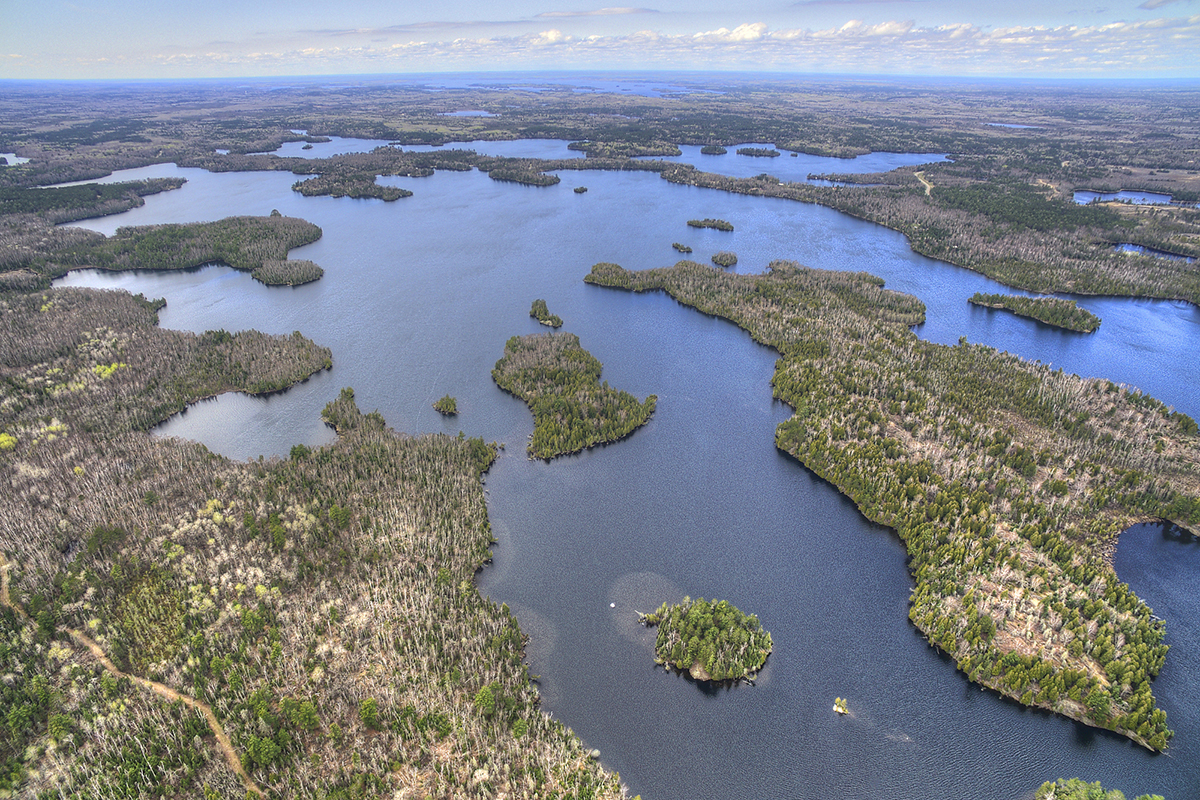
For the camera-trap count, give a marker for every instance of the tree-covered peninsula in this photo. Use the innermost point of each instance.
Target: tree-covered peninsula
(1008, 481)
(258, 245)
(560, 381)
(712, 641)
(173, 623)
(1050, 310)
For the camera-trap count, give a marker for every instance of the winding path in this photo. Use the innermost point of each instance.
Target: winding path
(162, 690)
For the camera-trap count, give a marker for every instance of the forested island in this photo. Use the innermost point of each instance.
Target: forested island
(1008, 482)
(759, 152)
(560, 381)
(541, 313)
(1050, 310)
(708, 222)
(711, 641)
(724, 258)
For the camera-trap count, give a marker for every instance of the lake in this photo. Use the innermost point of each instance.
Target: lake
(417, 301)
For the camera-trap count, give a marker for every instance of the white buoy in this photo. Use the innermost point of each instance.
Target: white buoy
(612, 605)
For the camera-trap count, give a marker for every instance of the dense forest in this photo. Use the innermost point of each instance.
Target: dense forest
(305, 627)
(560, 381)
(1050, 310)
(1007, 481)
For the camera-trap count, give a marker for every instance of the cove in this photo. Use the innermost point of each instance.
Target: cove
(417, 301)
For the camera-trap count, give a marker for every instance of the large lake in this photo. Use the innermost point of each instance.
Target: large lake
(417, 301)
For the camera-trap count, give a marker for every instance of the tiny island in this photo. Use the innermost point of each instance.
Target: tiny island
(542, 314)
(1049, 310)
(560, 381)
(680, 247)
(713, 150)
(724, 258)
(712, 641)
(447, 406)
(709, 222)
(759, 152)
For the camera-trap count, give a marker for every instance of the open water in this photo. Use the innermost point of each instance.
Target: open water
(417, 301)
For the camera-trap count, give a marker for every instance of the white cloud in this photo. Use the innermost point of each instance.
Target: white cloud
(1159, 47)
(742, 33)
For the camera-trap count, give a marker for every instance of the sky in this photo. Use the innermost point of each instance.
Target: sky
(153, 39)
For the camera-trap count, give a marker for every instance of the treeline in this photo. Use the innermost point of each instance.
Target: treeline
(710, 640)
(69, 203)
(1007, 481)
(560, 381)
(626, 149)
(1050, 310)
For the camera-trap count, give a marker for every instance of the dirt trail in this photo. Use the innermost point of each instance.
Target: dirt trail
(928, 186)
(231, 756)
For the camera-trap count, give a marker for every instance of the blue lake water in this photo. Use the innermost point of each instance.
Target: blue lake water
(417, 301)
(1150, 251)
(1083, 197)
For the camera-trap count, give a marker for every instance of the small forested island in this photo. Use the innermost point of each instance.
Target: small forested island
(447, 406)
(712, 641)
(713, 150)
(709, 222)
(580, 190)
(724, 258)
(542, 314)
(1051, 310)
(759, 152)
(1075, 789)
(1007, 481)
(682, 248)
(560, 381)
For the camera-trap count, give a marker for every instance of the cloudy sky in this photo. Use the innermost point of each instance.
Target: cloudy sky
(224, 38)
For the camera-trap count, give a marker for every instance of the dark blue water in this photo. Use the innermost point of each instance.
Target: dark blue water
(417, 301)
